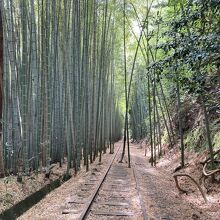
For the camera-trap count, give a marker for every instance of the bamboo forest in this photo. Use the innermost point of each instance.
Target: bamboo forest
(109, 109)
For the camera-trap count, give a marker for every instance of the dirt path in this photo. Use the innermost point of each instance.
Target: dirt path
(160, 197)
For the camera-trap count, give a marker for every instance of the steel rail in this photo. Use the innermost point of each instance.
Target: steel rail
(94, 194)
(143, 208)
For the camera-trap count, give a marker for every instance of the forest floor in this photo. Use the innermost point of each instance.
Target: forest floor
(161, 198)
(12, 192)
(193, 167)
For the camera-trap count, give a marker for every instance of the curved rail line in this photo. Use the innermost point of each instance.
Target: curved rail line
(93, 196)
(115, 173)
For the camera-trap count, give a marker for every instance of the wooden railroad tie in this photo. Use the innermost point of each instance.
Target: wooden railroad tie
(107, 213)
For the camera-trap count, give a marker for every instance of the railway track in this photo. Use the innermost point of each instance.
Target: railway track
(114, 195)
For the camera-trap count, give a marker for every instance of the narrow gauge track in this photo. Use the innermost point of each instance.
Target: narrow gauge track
(116, 195)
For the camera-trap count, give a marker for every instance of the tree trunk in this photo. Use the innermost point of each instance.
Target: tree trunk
(1, 95)
(208, 133)
(180, 124)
